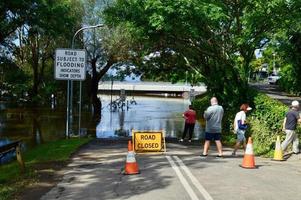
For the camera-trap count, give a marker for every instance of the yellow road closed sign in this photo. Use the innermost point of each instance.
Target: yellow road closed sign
(148, 141)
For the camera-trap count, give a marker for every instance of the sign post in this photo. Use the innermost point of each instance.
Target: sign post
(70, 65)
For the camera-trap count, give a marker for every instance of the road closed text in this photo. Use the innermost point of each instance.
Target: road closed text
(148, 145)
(148, 141)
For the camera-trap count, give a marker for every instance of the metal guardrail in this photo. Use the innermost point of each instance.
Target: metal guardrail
(14, 146)
(149, 86)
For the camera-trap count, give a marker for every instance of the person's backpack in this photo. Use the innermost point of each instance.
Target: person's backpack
(242, 126)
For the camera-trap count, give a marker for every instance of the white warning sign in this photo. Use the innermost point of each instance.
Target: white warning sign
(70, 64)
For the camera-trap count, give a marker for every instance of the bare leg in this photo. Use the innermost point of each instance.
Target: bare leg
(236, 146)
(219, 147)
(206, 147)
(244, 144)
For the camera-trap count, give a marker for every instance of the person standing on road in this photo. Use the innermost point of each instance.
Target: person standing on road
(213, 116)
(290, 122)
(240, 127)
(190, 118)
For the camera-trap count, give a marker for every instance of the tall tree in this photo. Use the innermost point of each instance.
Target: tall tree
(217, 39)
(49, 26)
(289, 43)
(13, 14)
(103, 48)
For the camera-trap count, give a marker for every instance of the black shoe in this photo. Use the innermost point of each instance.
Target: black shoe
(204, 155)
(219, 156)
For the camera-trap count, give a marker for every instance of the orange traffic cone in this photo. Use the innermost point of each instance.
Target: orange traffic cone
(249, 159)
(131, 166)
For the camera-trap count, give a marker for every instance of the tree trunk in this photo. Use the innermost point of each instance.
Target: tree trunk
(35, 66)
(230, 89)
(94, 89)
(96, 76)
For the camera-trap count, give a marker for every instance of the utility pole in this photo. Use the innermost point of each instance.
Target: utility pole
(274, 68)
(111, 93)
(70, 84)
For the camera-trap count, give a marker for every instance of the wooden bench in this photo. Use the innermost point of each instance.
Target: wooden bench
(14, 146)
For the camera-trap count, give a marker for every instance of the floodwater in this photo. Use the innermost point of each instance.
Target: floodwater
(39, 125)
(149, 114)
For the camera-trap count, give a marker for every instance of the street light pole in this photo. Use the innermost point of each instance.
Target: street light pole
(80, 82)
(274, 69)
(111, 93)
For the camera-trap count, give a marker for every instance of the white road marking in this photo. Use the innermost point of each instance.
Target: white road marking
(195, 182)
(182, 179)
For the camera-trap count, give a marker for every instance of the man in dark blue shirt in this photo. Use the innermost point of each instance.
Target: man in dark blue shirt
(289, 126)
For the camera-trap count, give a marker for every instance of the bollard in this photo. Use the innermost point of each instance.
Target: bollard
(19, 158)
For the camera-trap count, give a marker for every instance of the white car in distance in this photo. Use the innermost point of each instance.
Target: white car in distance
(273, 79)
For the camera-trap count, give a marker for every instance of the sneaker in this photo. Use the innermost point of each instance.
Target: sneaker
(189, 140)
(181, 140)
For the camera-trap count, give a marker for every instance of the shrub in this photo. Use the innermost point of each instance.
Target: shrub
(266, 123)
(289, 80)
(201, 104)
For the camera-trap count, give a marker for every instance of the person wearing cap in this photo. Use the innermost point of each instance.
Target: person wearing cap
(240, 126)
(213, 116)
(290, 122)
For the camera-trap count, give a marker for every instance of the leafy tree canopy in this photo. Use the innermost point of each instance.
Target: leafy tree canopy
(213, 38)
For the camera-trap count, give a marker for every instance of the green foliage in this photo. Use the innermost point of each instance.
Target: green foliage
(269, 111)
(10, 178)
(13, 14)
(54, 151)
(266, 123)
(200, 104)
(263, 137)
(216, 39)
(291, 81)
(32, 30)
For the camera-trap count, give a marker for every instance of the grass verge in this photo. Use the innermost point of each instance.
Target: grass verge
(12, 181)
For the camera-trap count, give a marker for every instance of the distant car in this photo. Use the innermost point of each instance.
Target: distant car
(273, 79)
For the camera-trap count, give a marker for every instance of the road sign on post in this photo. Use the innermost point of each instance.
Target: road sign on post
(70, 64)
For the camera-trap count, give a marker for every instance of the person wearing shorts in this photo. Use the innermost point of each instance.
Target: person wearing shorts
(213, 116)
(240, 126)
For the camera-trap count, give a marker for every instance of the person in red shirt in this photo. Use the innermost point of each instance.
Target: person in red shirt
(190, 118)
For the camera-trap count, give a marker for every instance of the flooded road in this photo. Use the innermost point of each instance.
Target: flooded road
(39, 125)
(31, 125)
(150, 113)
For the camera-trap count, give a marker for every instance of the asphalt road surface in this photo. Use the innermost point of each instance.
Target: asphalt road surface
(274, 92)
(180, 174)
